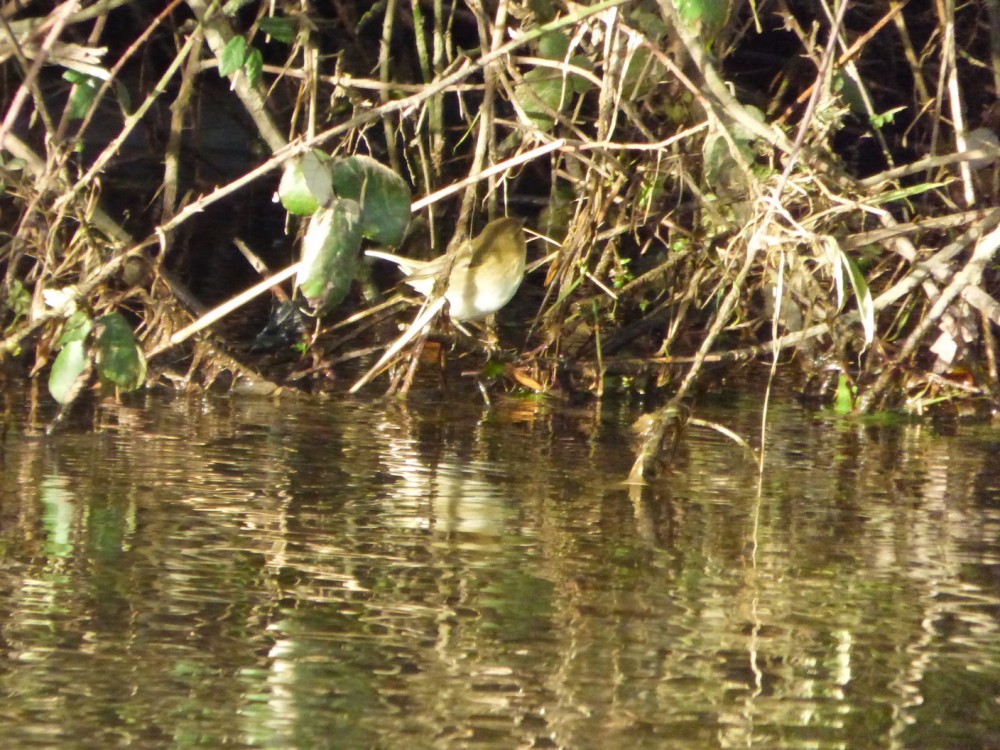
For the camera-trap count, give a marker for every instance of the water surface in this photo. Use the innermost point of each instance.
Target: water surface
(210, 572)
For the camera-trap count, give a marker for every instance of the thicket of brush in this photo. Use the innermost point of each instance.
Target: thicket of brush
(799, 183)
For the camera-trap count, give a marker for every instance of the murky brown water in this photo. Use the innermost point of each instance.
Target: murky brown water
(306, 574)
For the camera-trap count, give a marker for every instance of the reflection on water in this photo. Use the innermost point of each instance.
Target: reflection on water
(310, 574)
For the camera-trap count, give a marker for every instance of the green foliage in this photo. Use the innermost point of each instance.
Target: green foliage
(705, 17)
(8, 166)
(233, 56)
(281, 29)
(77, 328)
(236, 55)
(69, 372)
(545, 89)
(879, 121)
(543, 10)
(18, 301)
(307, 184)
(554, 45)
(81, 95)
(384, 197)
(253, 66)
(330, 254)
(348, 199)
(542, 91)
(119, 358)
(120, 361)
(843, 402)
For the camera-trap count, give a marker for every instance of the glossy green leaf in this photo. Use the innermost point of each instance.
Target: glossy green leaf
(120, 361)
(843, 400)
(330, 254)
(233, 56)
(81, 95)
(280, 29)
(253, 65)
(306, 185)
(76, 328)
(384, 197)
(69, 372)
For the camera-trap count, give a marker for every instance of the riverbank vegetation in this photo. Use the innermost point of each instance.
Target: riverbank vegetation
(781, 185)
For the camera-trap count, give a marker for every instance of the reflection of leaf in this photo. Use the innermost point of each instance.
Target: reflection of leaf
(69, 372)
(119, 359)
(56, 501)
(330, 254)
(383, 195)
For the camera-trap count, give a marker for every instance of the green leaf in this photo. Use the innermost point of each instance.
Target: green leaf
(907, 192)
(383, 195)
(76, 328)
(253, 66)
(643, 74)
(233, 56)
(18, 300)
(543, 89)
(69, 372)
(704, 17)
(281, 29)
(330, 254)
(554, 45)
(120, 361)
(306, 184)
(879, 121)
(843, 400)
(81, 95)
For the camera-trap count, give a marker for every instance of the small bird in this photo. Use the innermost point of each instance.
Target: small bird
(484, 277)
